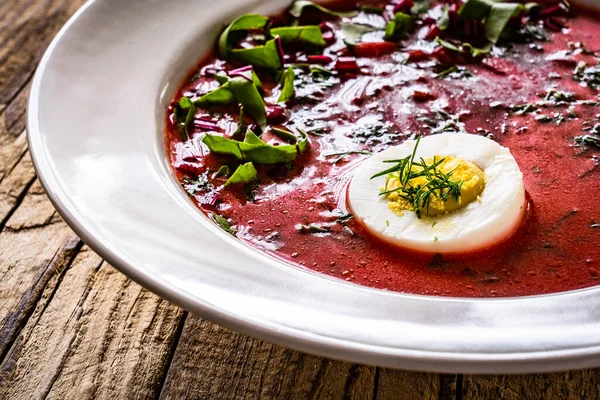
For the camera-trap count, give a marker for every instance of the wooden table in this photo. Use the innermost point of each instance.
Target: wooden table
(71, 326)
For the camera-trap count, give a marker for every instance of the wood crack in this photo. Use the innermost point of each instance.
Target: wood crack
(169, 362)
(12, 325)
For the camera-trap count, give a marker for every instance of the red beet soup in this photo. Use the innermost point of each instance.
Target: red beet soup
(265, 133)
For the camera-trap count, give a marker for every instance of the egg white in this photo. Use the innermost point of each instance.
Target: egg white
(478, 225)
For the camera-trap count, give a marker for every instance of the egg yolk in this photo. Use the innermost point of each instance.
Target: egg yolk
(451, 184)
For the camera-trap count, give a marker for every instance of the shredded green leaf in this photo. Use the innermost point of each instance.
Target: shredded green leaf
(254, 149)
(298, 8)
(242, 24)
(420, 7)
(287, 85)
(353, 32)
(222, 222)
(444, 21)
(187, 105)
(243, 174)
(267, 56)
(398, 27)
(246, 92)
(475, 9)
(220, 96)
(300, 34)
(498, 17)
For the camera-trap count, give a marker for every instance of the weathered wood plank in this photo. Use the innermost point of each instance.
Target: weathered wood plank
(583, 384)
(14, 187)
(394, 384)
(34, 246)
(96, 335)
(213, 362)
(25, 37)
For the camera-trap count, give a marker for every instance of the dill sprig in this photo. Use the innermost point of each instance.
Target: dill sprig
(439, 184)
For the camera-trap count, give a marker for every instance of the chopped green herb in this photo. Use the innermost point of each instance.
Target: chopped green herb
(354, 32)
(434, 223)
(455, 72)
(498, 17)
(387, 222)
(435, 238)
(444, 21)
(439, 183)
(267, 56)
(310, 35)
(346, 153)
(590, 140)
(254, 149)
(420, 7)
(185, 104)
(398, 27)
(287, 85)
(222, 222)
(300, 6)
(587, 75)
(243, 174)
(223, 171)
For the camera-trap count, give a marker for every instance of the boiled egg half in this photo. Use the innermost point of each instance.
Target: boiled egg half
(445, 193)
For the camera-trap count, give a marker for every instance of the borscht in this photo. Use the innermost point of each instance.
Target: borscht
(444, 148)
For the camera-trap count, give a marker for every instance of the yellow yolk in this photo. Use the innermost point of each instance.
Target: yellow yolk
(473, 183)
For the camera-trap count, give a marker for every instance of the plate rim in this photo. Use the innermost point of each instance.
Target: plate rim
(454, 362)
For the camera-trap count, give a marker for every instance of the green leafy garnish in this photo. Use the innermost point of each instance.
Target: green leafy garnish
(444, 21)
(498, 17)
(223, 171)
(353, 32)
(287, 85)
(220, 96)
(239, 28)
(222, 222)
(495, 15)
(185, 104)
(300, 6)
(465, 48)
(243, 174)
(254, 149)
(246, 93)
(266, 56)
(587, 75)
(475, 9)
(398, 27)
(439, 184)
(477, 51)
(420, 7)
(300, 34)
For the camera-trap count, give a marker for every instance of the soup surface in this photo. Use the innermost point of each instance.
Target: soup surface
(352, 84)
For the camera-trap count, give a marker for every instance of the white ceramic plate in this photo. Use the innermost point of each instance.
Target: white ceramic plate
(96, 134)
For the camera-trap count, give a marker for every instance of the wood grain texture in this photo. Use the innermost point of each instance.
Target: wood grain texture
(72, 327)
(35, 246)
(393, 384)
(95, 334)
(213, 362)
(574, 385)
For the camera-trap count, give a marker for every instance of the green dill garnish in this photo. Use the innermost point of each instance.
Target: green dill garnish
(435, 222)
(435, 238)
(201, 184)
(222, 222)
(340, 156)
(455, 72)
(387, 222)
(439, 183)
(587, 75)
(589, 140)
